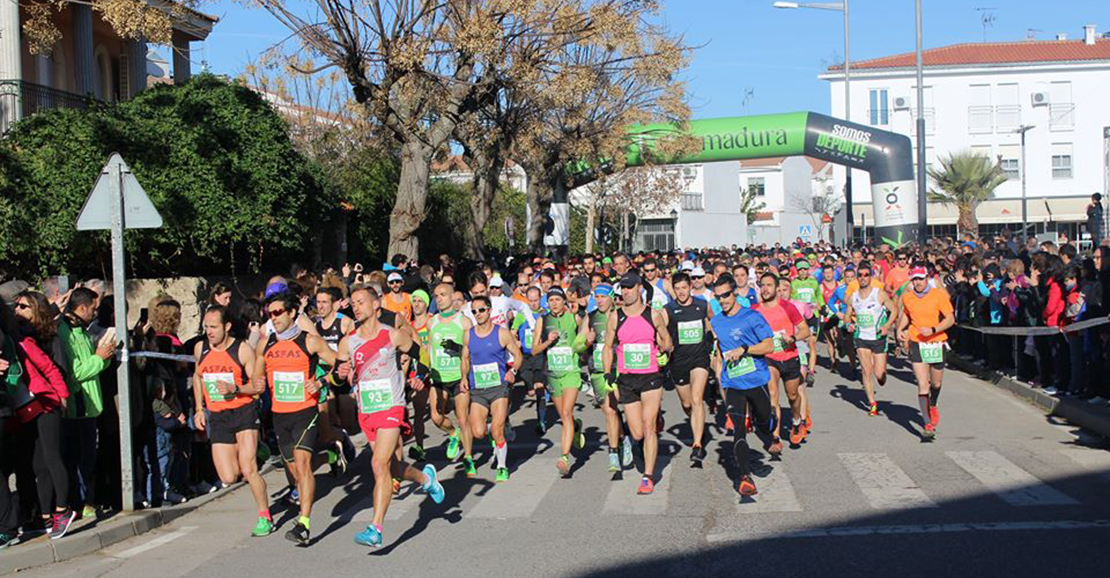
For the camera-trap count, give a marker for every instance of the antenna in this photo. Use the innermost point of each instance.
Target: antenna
(986, 18)
(1031, 33)
(749, 96)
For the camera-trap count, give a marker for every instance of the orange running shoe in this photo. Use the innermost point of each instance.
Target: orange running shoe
(747, 487)
(934, 415)
(748, 423)
(797, 433)
(874, 409)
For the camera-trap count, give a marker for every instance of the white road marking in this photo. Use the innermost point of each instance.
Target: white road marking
(883, 483)
(1014, 485)
(624, 501)
(410, 496)
(1097, 461)
(154, 543)
(776, 494)
(521, 495)
(850, 531)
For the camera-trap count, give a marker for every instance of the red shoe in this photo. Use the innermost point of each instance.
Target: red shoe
(934, 415)
(797, 434)
(747, 487)
(874, 409)
(646, 486)
(748, 423)
(775, 449)
(930, 431)
(728, 423)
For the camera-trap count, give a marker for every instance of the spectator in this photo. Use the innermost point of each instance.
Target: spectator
(9, 508)
(81, 362)
(1094, 219)
(171, 395)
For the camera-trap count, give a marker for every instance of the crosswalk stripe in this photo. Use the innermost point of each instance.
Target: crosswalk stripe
(401, 504)
(776, 494)
(624, 501)
(1012, 484)
(1097, 461)
(883, 483)
(521, 495)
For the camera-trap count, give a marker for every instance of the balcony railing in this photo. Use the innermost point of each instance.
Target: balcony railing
(692, 202)
(980, 119)
(1007, 117)
(20, 99)
(1061, 116)
(930, 116)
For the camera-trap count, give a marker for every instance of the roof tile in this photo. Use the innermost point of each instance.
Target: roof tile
(1028, 51)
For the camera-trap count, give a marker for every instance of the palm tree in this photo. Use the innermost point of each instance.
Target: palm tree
(966, 179)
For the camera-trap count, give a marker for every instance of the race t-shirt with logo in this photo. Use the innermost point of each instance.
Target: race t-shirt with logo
(748, 328)
(783, 319)
(377, 377)
(446, 359)
(289, 367)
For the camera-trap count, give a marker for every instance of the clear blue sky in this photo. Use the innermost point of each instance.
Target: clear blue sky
(749, 50)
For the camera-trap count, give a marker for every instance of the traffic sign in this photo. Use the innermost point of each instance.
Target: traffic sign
(138, 211)
(805, 230)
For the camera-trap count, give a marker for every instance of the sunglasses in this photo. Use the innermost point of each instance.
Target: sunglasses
(21, 306)
(395, 282)
(696, 277)
(652, 270)
(481, 309)
(276, 312)
(724, 295)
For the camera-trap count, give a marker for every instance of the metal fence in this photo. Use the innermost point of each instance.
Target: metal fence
(20, 99)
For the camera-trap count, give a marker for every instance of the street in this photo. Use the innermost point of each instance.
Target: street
(1001, 492)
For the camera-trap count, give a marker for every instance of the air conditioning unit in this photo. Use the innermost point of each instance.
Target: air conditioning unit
(1040, 98)
(901, 103)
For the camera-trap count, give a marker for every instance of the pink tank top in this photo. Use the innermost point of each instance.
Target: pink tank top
(636, 350)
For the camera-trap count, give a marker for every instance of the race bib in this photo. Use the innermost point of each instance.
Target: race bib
(445, 362)
(528, 339)
(690, 332)
(211, 379)
(805, 294)
(931, 352)
(636, 355)
(866, 323)
(560, 359)
(374, 395)
(289, 387)
(742, 366)
(487, 375)
(779, 341)
(599, 364)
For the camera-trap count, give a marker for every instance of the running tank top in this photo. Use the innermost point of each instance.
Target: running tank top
(599, 322)
(334, 334)
(870, 314)
(216, 366)
(560, 356)
(289, 366)
(422, 335)
(487, 359)
(636, 349)
(402, 306)
(446, 361)
(686, 324)
(378, 380)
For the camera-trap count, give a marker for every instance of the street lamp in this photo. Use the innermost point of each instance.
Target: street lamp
(1024, 215)
(922, 209)
(837, 7)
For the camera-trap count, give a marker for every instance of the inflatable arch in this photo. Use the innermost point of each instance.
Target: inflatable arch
(887, 156)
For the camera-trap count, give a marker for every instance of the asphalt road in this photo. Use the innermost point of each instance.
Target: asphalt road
(1001, 492)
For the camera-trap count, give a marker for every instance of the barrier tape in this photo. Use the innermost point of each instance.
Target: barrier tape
(1038, 331)
(169, 356)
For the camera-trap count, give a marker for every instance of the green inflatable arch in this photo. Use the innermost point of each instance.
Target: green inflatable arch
(887, 156)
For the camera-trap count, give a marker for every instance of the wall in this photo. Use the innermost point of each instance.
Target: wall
(720, 223)
(189, 292)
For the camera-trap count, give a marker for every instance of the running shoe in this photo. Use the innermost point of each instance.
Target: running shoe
(471, 471)
(563, 465)
(1050, 390)
(797, 434)
(7, 539)
(502, 475)
(170, 497)
(88, 512)
(579, 437)
(541, 428)
(262, 528)
(371, 536)
(433, 488)
(809, 379)
(934, 415)
(298, 535)
(646, 486)
(510, 433)
(396, 486)
(349, 449)
(930, 432)
(62, 523)
(728, 423)
(697, 455)
(614, 461)
(874, 409)
(747, 487)
(748, 423)
(417, 452)
(626, 452)
(775, 449)
(453, 446)
(340, 466)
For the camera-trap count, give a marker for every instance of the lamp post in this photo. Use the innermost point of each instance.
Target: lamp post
(922, 209)
(1024, 213)
(837, 7)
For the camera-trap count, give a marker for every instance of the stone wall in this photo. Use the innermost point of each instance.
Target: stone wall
(190, 292)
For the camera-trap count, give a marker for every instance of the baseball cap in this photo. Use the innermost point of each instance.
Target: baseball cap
(603, 289)
(275, 288)
(496, 282)
(395, 276)
(421, 295)
(697, 272)
(919, 273)
(802, 264)
(686, 266)
(630, 279)
(607, 261)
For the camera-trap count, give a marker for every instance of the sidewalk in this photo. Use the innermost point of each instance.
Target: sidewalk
(1095, 419)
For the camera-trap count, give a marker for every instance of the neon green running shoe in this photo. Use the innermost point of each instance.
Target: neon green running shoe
(471, 471)
(263, 528)
(502, 475)
(453, 446)
(579, 436)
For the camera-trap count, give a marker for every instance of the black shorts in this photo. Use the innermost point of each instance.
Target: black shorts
(486, 397)
(223, 425)
(296, 431)
(874, 345)
(915, 355)
(814, 324)
(831, 324)
(631, 386)
(533, 370)
(451, 387)
(788, 370)
(679, 370)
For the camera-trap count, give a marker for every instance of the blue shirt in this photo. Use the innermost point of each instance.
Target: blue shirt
(749, 328)
(746, 301)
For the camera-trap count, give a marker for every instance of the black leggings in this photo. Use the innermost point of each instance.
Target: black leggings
(763, 420)
(42, 440)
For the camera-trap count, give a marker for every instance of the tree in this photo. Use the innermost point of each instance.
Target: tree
(214, 158)
(750, 204)
(816, 208)
(966, 179)
(639, 191)
(129, 18)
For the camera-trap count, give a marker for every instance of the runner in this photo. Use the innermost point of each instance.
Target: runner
(789, 327)
(805, 289)
(485, 376)
(533, 371)
(688, 324)
(832, 314)
(331, 325)
(870, 317)
(635, 336)
(445, 335)
(222, 389)
(560, 336)
(396, 300)
(374, 352)
(420, 319)
(604, 389)
(744, 339)
(927, 315)
(288, 365)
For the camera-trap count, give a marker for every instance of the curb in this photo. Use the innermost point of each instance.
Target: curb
(1093, 419)
(43, 551)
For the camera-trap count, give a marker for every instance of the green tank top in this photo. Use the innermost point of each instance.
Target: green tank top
(446, 367)
(560, 356)
(598, 322)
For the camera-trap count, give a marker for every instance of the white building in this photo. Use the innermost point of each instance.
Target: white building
(975, 97)
(455, 169)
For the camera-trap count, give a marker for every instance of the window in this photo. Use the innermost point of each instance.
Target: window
(655, 235)
(980, 114)
(981, 150)
(1061, 161)
(1007, 114)
(759, 184)
(1011, 160)
(879, 112)
(1061, 109)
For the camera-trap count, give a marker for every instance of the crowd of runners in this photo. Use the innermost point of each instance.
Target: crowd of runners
(317, 359)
